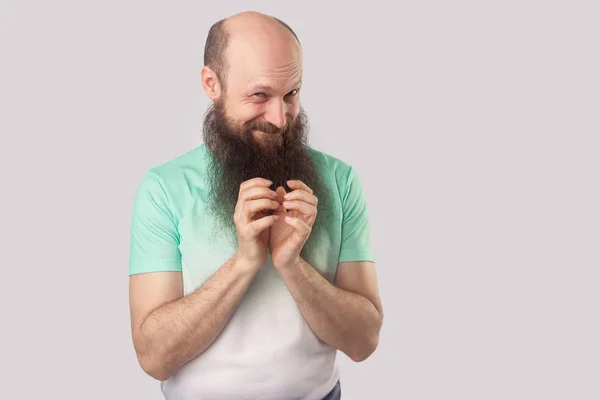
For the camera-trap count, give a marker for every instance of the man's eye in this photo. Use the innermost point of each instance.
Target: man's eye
(293, 92)
(260, 95)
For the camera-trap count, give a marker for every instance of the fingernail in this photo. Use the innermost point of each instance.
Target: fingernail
(268, 182)
(287, 195)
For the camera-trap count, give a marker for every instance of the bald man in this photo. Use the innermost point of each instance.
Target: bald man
(250, 256)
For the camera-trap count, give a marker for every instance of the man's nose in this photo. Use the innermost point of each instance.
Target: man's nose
(276, 114)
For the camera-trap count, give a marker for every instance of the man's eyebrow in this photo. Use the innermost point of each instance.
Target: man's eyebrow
(260, 88)
(267, 88)
(298, 82)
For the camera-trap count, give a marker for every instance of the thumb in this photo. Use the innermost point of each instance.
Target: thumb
(280, 193)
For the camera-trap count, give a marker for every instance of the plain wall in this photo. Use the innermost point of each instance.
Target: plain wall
(473, 125)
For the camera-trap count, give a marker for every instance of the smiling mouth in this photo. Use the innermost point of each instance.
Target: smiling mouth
(267, 135)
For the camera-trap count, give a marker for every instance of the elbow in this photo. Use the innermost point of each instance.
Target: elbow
(154, 368)
(365, 351)
(368, 345)
(158, 374)
(150, 359)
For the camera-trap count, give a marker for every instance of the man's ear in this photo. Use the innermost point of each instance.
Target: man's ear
(210, 83)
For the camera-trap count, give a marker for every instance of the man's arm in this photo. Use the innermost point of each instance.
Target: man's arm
(348, 315)
(170, 329)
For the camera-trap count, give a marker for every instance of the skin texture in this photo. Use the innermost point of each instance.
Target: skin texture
(263, 90)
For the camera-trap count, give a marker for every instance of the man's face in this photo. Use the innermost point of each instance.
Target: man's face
(263, 88)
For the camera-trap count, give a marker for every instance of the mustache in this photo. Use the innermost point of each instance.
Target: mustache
(267, 127)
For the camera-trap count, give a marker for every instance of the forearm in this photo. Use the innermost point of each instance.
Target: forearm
(346, 321)
(179, 331)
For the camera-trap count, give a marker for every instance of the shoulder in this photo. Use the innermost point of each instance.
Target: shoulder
(192, 161)
(334, 167)
(330, 163)
(181, 173)
(171, 182)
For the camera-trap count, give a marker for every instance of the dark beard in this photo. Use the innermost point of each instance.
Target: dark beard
(236, 157)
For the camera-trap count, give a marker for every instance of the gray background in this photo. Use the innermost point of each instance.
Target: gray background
(474, 126)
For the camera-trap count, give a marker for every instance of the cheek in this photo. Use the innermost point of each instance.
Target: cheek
(294, 109)
(242, 113)
(249, 112)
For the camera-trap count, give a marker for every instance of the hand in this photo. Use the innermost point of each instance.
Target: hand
(252, 221)
(288, 237)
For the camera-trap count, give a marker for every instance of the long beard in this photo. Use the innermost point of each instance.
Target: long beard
(236, 157)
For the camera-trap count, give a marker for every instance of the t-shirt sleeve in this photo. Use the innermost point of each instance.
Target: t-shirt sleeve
(356, 243)
(154, 239)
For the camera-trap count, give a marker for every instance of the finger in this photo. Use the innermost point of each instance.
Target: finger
(248, 211)
(256, 227)
(280, 191)
(296, 184)
(302, 195)
(252, 207)
(254, 182)
(302, 230)
(301, 206)
(280, 210)
(257, 192)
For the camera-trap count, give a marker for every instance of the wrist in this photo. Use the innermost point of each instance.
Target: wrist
(291, 264)
(244, 263)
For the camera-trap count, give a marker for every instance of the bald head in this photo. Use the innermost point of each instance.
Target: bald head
(250, 27)
(253, 72)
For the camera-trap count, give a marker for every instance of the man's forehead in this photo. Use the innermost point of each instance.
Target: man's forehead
(267, 72)
(270, 82)
(266, 54)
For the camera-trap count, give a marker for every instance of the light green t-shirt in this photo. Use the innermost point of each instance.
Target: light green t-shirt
(266, 347)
